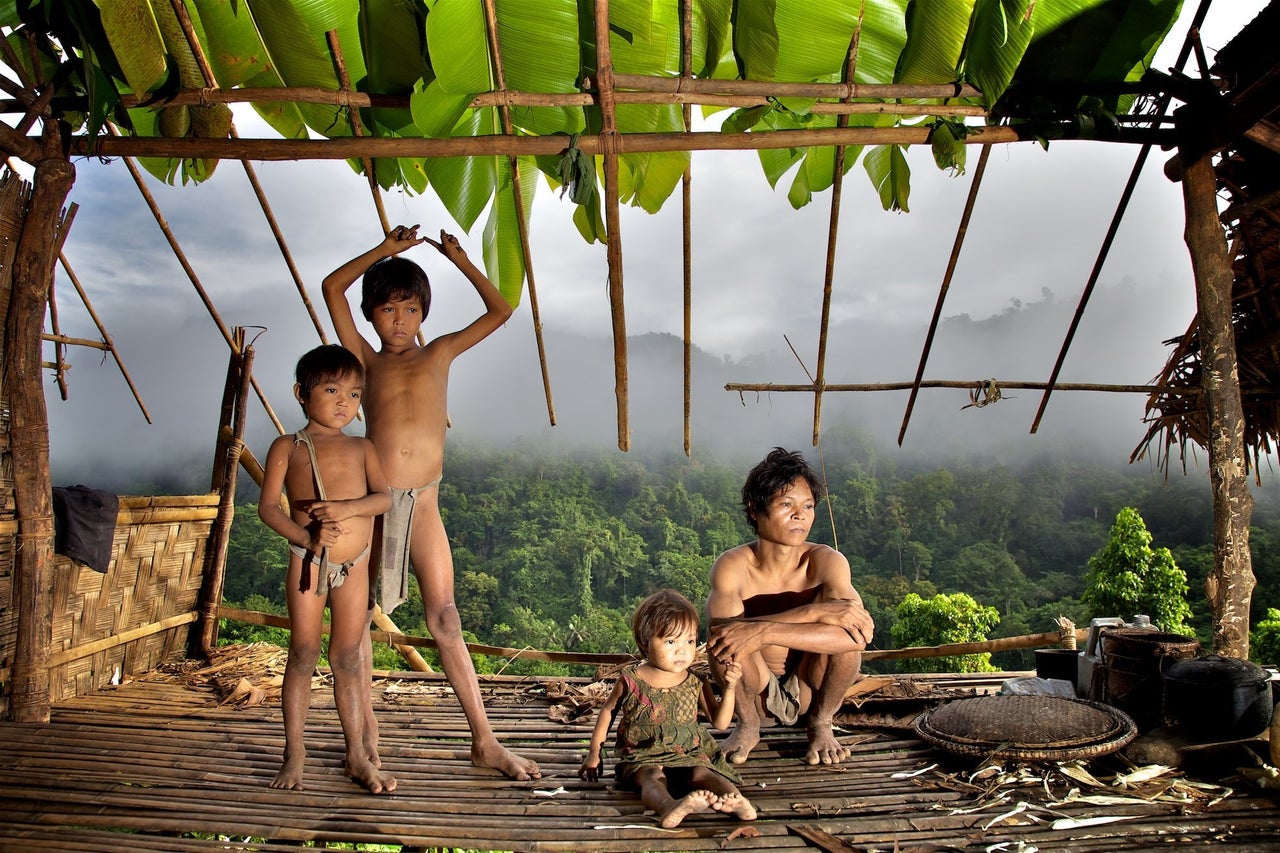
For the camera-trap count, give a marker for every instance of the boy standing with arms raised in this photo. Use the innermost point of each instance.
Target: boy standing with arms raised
(405, 403)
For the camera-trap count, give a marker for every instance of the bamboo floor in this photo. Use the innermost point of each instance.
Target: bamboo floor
(140, 766)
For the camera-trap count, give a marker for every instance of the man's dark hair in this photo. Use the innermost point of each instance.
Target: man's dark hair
(393, 280)
(774, 473)
(325, 364)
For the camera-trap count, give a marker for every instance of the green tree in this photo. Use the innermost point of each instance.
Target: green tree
(941, 620)
(1126, 577)
(1264, 639)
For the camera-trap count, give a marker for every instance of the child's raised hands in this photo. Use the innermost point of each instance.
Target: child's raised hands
(403, 237)
(448, 246)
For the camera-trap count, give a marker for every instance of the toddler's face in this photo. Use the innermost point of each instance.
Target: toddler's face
(676, 652)
(334, 402)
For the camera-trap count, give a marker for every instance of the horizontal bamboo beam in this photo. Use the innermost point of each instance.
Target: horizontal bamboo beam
(970, 384)
(254, 617)
(142, 514)
(77, 652)
(1050, 638)
(1003, 644)
(80, 342)
(144, 501)
(777, 89)
(629, 143)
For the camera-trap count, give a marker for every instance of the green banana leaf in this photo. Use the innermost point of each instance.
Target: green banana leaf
(503, 252)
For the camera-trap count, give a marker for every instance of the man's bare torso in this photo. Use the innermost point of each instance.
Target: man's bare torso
(406, 405)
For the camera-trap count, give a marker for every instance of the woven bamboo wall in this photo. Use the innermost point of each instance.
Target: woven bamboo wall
(155, 574)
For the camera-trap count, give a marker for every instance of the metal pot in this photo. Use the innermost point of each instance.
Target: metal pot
(1217, 698)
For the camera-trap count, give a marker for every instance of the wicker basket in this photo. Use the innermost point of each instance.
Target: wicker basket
(1030, 728)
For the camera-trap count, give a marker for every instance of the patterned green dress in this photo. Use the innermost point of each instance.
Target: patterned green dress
(659, 726)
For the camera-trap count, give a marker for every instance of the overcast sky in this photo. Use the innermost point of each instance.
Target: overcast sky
(758, 270)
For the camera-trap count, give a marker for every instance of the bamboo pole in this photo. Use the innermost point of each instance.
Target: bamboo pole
(609, 140)
(357, 127)
(1002, 644)
(833, 231)
(686, 224)
(969, 384)
(630, 88)
(216, 553)
(1230, 584)
(107, 343)
(195, 280)
(57, 338)
(211, 82)
(345, 148)
(1162, 105)
(1029, 641)
(31, 273)
(961, 231)
(102, 645)
(517, 194)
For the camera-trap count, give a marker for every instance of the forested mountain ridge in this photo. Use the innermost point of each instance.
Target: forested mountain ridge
(552, 550)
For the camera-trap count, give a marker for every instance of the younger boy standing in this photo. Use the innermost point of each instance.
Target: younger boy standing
(405, 408)
(335, 486)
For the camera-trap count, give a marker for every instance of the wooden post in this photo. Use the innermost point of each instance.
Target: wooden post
(29, 433)
(215, 560)
(1230, 585)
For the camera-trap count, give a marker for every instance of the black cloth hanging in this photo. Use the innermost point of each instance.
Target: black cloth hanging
(84, 524)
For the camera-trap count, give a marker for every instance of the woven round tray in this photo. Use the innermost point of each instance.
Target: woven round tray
(1031, 728)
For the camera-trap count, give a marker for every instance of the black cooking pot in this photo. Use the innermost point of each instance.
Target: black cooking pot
(1217, 698)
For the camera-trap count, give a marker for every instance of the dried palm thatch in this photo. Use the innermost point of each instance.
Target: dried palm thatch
(1248, 178)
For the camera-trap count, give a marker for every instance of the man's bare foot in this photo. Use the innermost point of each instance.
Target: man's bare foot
(290, 775)
(691, 803)
(823, 746)
(506, 762)
(364, 773)
(735, 804)
(739, 744)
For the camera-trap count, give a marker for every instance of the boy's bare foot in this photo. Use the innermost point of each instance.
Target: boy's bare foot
(506, 762)
(693, 802)
(364, 773)
(739, 744)
(735, 804)
(823, 746)
(290, 775)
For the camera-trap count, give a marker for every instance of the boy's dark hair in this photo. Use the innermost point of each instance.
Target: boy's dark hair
(393, 280)
(662, 615)
(325, 364)
(774, 473)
